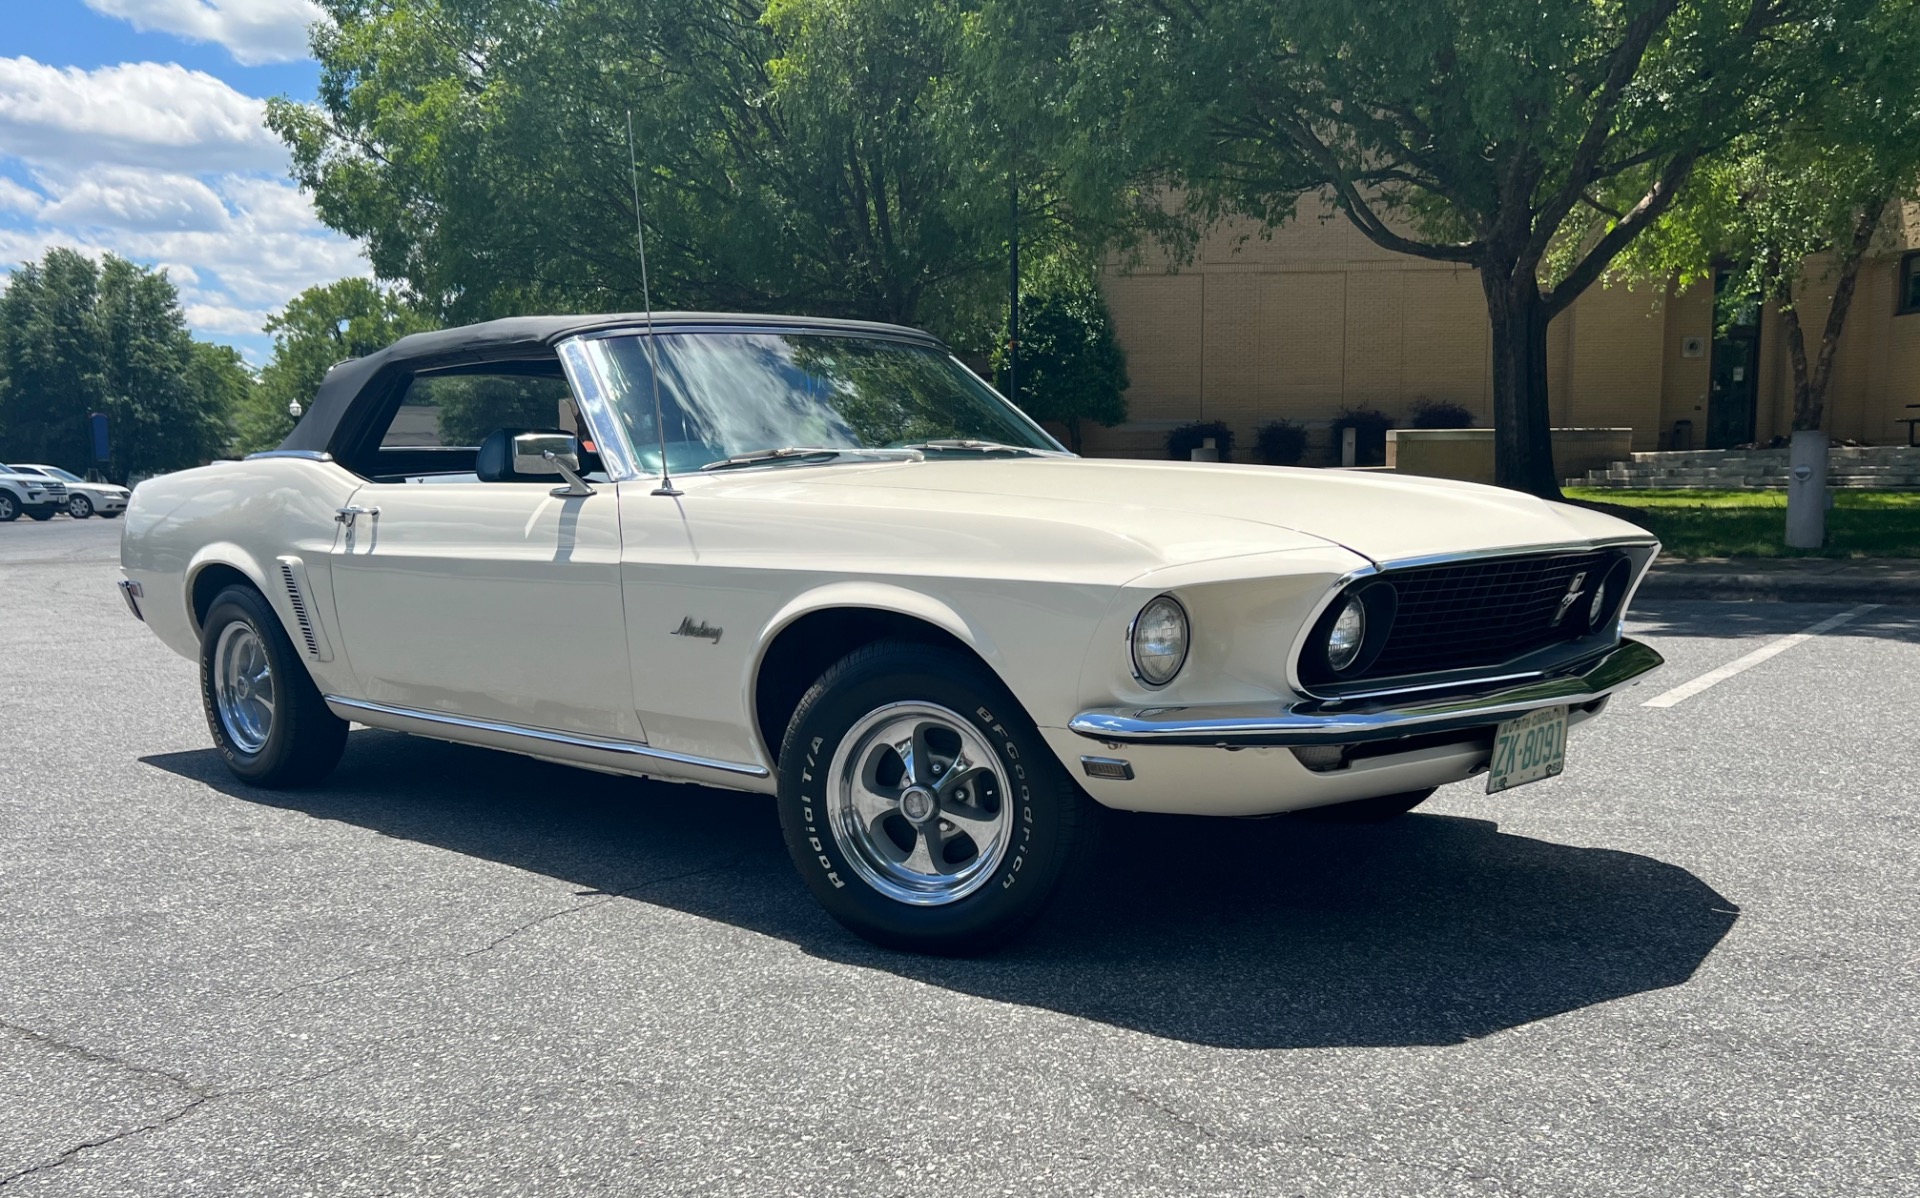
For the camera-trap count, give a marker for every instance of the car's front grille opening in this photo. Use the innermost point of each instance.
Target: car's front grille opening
(1483, 613)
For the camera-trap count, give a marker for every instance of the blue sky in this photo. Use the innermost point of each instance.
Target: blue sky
(133, 126)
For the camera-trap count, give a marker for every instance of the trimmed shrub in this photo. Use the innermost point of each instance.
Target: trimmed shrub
(1182, 441)
(1440, 413)
(1281, 443)
(1370, 444)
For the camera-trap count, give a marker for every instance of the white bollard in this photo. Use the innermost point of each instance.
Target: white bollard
(1807, 490)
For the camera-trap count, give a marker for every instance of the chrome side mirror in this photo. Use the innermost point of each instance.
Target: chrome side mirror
(545, 453)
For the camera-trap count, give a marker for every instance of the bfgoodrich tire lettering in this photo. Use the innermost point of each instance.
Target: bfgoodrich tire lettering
(276, 730)
(1017, 816)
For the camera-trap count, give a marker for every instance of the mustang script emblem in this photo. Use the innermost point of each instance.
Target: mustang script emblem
(1567, 600)
(707, 631)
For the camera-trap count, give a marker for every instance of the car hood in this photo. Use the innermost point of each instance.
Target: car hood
(1188, 511)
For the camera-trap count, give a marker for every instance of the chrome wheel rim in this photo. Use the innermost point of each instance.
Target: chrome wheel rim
(243, 687)
(921, 806)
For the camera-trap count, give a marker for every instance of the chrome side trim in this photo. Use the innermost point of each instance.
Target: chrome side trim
(304, 455)
(1475, 555)
(356, 708)
(133, 592)
(1322, 722)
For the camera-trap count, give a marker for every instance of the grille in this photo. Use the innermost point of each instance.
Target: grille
(1481, 613)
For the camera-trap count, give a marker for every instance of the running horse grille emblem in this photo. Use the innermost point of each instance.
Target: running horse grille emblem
(1572, 596)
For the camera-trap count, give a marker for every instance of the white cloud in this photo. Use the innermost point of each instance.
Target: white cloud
(225, 318)
(136, 114)
(168, 167)
(15, 198)
(253, 31)
(137, 200)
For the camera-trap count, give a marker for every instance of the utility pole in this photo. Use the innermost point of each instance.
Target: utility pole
(1013, 284)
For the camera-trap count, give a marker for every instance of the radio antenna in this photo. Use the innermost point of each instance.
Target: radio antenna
(666, 486)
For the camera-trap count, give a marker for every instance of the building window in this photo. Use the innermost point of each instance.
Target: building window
(1909, 294)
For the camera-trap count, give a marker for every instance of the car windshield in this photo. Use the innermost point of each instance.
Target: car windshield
(733, 398)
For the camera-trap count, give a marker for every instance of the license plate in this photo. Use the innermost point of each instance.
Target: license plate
(1527, 749)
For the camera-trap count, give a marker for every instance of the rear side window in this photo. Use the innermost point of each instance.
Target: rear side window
(459, 410)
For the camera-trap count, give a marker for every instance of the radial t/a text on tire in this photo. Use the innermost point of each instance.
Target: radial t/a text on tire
(267, 717)
(920, 804)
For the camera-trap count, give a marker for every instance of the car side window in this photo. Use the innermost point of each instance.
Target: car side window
(460, 409)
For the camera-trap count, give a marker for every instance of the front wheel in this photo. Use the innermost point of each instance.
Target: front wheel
(267, 717)
(79, 507)
(921, 805)
(9, 508)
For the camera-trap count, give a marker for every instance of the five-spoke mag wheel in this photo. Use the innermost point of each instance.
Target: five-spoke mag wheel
(243, 686)
(919, 803)
(266, 715)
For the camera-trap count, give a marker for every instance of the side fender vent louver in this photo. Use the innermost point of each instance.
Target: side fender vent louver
(293, 572)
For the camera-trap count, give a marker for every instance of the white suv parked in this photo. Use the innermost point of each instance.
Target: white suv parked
(29, 493)
(83, 498)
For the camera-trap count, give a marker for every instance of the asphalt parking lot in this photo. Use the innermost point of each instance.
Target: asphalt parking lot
(1687, 967)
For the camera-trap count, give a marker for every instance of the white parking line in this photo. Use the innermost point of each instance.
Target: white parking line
(1688, 690)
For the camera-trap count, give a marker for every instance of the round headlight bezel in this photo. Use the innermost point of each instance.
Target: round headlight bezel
(1610, 593)
(1158, 677)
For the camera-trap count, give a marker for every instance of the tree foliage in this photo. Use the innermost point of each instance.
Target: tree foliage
(322, 325)
(1531, 141)
(810, 156)
(78, 338)
(1071, 367)
(1796, 209)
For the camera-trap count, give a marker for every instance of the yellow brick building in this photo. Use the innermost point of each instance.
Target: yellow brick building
(1316, 317)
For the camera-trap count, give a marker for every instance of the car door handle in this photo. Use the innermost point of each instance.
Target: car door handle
(347, 515)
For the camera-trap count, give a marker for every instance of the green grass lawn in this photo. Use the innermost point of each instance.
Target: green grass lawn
(1754, 523)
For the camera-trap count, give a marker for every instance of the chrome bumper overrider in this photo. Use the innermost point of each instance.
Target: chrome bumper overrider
(1333, 722)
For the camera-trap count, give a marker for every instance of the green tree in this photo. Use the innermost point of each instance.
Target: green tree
(76, 338)
(350, 318)
(812, 156)
(1798, 210)
(1072, 369)
(52, 359)
(1530, 141)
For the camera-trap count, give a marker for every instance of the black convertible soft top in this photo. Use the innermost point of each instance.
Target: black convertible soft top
(326, 424)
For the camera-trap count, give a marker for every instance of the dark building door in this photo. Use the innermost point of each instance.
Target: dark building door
(1735, 394)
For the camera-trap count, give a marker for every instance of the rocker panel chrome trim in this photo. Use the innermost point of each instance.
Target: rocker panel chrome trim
(355, 708)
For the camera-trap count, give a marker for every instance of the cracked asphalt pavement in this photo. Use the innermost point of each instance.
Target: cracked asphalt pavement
(1687, 967)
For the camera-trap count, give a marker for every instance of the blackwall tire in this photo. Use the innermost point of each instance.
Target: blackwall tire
(108, 515)
(994, 806)
(79, 507)
(266, 715)
(41, 514)
(9, 508)
(1368, 811)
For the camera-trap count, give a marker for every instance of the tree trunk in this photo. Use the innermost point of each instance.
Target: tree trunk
(1522, 425)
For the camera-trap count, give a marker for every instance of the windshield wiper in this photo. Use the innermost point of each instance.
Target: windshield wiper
(802, 453)
(969, 445)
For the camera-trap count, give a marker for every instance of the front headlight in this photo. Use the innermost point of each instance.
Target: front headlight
(1348, 634)
(1159, 641)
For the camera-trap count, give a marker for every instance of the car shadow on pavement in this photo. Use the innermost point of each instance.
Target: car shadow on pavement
(1270, 933)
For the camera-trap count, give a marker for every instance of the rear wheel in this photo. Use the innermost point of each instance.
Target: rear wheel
(79, 507)
(267, 717)
(1369, 811)
(42, 513)
(921, 805)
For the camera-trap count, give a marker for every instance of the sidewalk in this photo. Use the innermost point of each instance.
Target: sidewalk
(1793, 580)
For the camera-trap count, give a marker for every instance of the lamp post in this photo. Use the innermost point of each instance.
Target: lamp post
(294, 409)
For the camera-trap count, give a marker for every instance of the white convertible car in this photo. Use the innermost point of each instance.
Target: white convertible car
(869, 586)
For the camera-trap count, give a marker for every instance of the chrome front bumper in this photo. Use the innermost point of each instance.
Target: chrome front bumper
(1333, 722)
